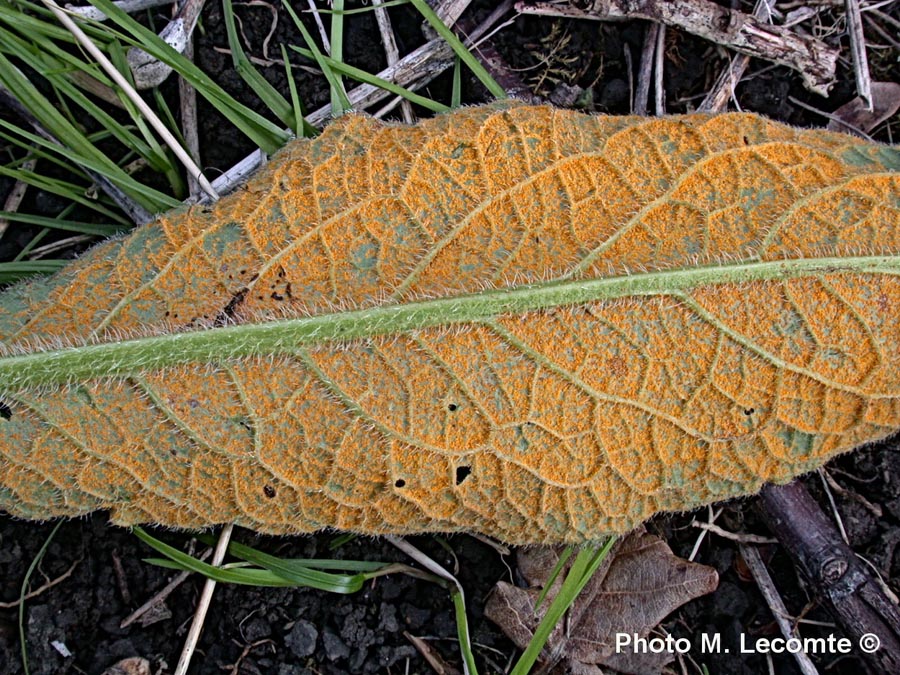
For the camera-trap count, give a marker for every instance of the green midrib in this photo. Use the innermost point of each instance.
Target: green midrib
(61, 366)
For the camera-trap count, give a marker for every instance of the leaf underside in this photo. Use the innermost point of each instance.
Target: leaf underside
(525, 322)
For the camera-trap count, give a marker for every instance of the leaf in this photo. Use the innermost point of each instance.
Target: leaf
(640, 584)
(519, 321)
(855, 117)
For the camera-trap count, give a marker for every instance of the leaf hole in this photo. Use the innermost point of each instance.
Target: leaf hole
(5, 411)
(462, 472)
(399, 483)
(269, 491)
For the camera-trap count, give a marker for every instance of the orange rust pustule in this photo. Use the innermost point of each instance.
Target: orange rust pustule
(558, 425)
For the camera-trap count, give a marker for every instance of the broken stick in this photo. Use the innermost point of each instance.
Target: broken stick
(840, 578)
(812, 58)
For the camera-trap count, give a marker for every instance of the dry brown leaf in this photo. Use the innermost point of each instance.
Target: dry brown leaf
(853, 116)
(134, 665)
(639, 584)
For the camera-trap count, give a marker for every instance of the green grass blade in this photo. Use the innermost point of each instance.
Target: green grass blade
(249, 553)
(461, 51)
(300, 126)
(61, 188)
(83, 151)
(323, 62)
(300, 574)
(285, 572)
(254, 79)
(363, 10)
(135, 188)
(554, 573)
(22, 592)
(456, 91)
(462, 630)
(585, 564)
(225, 574)
(267, 135)
(180, 560)
(337, 53)
(362, 76)
(97, 229)
(13, 271)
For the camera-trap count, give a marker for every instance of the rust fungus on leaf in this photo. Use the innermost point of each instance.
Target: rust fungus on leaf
(526, 322)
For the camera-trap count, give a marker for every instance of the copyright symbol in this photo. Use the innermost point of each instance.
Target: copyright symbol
(869, 643)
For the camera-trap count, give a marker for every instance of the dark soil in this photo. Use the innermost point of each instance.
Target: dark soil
(299, 632)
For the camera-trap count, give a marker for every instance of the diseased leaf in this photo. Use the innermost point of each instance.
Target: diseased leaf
(639, 584)
(520, 321)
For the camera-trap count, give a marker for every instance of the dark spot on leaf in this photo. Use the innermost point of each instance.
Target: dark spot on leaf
(277, 296)
(749, 411)
(193, 403)
(231, 308)
(399, 483)
(462, 472)
(269, 491)
(452, 407)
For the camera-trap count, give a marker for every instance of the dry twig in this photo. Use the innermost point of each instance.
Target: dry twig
(812, 58)
(858, 51)
(190, 643)
(838, 576)
(767, 587)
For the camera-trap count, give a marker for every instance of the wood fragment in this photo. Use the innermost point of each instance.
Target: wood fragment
(127, 6)
(488, 54)
(449, 11)
(187, 98)
(858, 51)
(45, 587)
(390, 51)
(723, 90)
(645, 70)
(659, 90)
(434, 659)
(767, 587)
(160, 595)
(147, 70)
(739, 537)
(135, 98)
(17, 194)
(812, 58)
(839, 577)
(209, 586)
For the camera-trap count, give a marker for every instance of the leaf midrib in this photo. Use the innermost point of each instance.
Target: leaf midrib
(35, 367)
